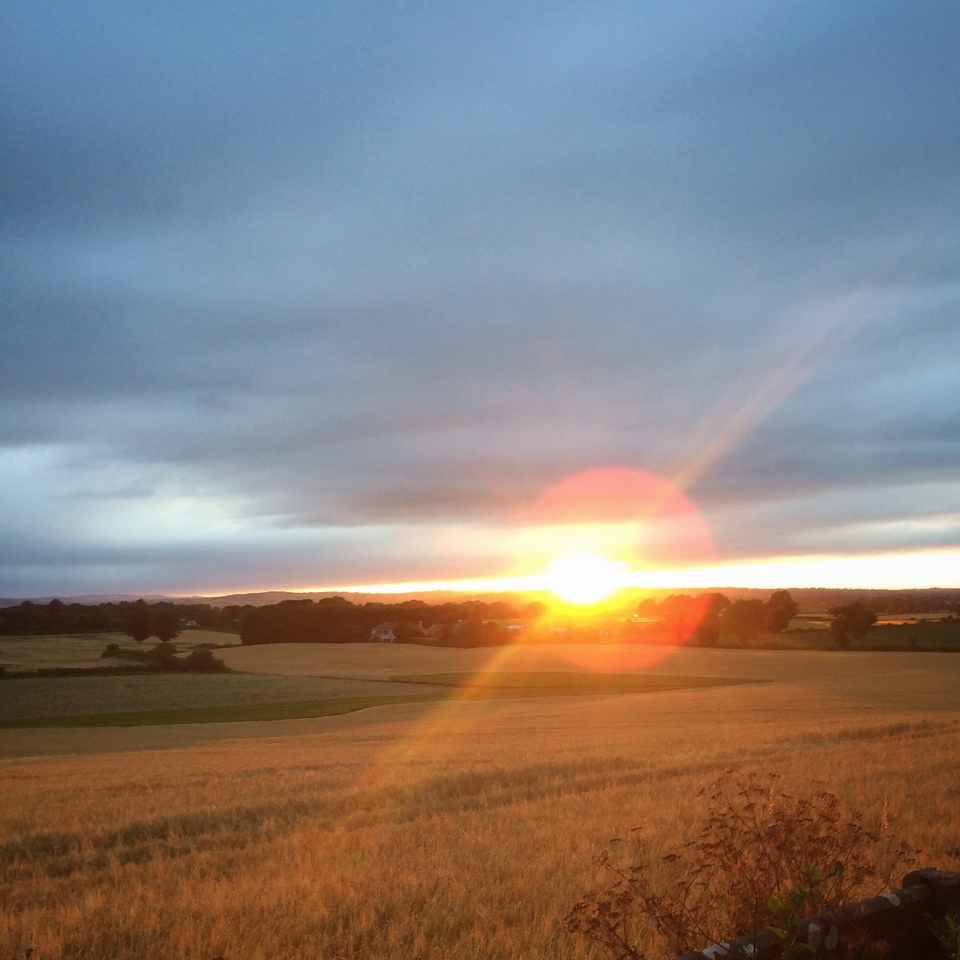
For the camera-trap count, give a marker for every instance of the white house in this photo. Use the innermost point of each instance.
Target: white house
(385, 632)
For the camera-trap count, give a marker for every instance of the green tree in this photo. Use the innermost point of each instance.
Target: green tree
(850, 622)
(648, 609)
(707, 632)
(680, 615)
(139, 623)
(165, 656)
(779, 610)
(166, 625)
(405, 631)
(745, 620)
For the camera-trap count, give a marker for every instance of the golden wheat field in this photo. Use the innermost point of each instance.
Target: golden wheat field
(465, 828)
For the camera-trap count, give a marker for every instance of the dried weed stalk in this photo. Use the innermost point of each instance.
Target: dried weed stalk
(760, 854)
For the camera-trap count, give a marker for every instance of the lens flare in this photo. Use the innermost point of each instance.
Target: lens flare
(634, 519)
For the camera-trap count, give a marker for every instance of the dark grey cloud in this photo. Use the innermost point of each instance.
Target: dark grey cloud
(313, 293)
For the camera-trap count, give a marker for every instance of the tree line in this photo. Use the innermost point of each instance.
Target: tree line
(328, 620)
(55, 617)
(703, 619)
(678, 618)
(337, 620)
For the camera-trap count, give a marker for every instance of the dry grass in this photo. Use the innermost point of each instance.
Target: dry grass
(461, 829)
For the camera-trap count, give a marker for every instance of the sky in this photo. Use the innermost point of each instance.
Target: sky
(298, 295)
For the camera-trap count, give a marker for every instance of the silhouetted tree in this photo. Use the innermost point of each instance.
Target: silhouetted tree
(648, 609)
(165, 656)
(139, 623)
(850, 622)
(779, 610)
(405, 631)
(535, 609)
(707, 632)
(680, 615)
(744, 619)
(166, 624)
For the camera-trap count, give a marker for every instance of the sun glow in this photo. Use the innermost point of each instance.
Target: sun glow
(583, 577)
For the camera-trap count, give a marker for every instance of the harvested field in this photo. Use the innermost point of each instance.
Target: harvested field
(461, 828)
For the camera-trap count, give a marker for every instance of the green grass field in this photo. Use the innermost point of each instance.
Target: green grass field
(349, 678)
(37, 706)
(84, 649)
(921, 635)
(77, 695)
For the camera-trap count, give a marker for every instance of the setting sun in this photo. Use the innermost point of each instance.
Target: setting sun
(583, 577)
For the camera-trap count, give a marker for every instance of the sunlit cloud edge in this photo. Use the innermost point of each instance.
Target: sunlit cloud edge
(890, 571)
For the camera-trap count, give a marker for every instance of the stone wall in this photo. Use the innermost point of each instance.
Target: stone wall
(894, 926)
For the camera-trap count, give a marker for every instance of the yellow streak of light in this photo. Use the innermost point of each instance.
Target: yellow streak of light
(889, 571)
(827, 327)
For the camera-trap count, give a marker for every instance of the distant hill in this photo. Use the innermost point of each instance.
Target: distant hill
(240, 599)
(266, 597)
(810, 599)
(91, 599)
(277, 596)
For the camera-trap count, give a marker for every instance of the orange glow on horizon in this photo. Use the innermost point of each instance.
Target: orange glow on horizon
(599, 532)
(915, 570)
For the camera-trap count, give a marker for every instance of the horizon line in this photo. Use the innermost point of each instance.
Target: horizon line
(924, 571)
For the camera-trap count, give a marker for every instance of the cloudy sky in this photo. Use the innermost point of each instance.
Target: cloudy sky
(309, 293)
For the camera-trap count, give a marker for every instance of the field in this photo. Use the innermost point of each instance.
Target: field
(923, 632)
(289, 682)
(84, 649)
(465, 827)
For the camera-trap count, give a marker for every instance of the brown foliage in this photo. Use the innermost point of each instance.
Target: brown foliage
(756, 842)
